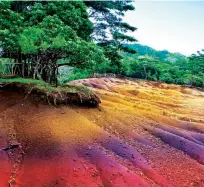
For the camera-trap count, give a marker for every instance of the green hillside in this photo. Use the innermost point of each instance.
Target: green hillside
(161, 55)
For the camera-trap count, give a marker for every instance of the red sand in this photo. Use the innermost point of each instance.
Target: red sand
(143, 134)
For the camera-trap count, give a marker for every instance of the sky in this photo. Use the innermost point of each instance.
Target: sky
(177, 26)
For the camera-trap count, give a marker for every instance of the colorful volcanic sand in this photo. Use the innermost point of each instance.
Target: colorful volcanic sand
(144, 134)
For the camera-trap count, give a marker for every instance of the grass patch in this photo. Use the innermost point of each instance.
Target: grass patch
(64, 94)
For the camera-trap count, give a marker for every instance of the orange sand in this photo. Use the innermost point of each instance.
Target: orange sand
(127, 141)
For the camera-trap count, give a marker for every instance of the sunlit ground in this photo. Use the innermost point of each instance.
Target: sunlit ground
(143, 134)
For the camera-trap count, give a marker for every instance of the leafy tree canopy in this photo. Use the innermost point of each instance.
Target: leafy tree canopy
(47, 31)
(110, 31)
(162, 55)
(196, 62)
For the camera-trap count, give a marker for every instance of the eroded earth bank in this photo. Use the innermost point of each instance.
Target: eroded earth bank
(142, 134)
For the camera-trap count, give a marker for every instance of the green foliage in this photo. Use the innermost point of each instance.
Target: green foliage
(45, 87)
(46, 32)
(161, 55)
(196, 62)
(110, 31)
(10, 26)
(31, 40)
(22, 80)
(3, 68)
(72, 14)
(179, 72)
(166, 77)
(78, 74)
(86, 55)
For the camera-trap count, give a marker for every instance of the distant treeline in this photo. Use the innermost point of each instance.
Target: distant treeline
(160, 54)
(164, 66)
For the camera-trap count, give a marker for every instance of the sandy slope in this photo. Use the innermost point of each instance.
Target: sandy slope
(143, 134)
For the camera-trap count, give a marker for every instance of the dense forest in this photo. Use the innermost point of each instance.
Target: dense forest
(164, 66)
(47, 42)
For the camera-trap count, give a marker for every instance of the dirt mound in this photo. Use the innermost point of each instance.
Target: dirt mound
(70, 94)
(142, 134)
